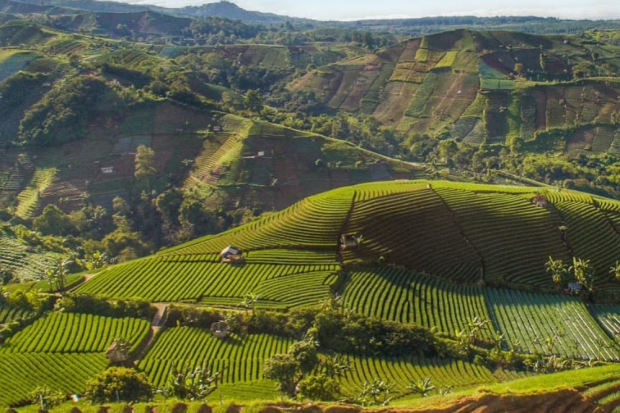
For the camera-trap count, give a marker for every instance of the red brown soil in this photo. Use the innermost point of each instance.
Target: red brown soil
(564, 401)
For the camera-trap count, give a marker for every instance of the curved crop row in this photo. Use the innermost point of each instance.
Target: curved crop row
(240, 359)
(167, 279)
(8, 315)
(404, 371)
(76, 333)
(312, 223)
(548, 324)
(22, 373)
(514, 237)
(414, 229)
(406, 297)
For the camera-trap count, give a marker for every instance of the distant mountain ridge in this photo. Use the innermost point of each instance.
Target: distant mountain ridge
(407, 26)
(222, 9)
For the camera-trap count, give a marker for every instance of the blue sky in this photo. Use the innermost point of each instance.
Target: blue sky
(362, 9)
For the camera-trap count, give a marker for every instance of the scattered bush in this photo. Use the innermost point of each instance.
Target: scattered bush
(319, 387)
(119, 384)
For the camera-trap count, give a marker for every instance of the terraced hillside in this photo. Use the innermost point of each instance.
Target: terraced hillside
(61, 351)
(437, 254)
(247, 163)
(464, 233)
(26, 263)
(483, 87)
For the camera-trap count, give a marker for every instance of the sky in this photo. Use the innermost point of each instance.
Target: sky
(366, 9)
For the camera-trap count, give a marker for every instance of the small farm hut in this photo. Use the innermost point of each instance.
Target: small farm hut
(539, 200)
(575, 288)
(348, 242)
(231, 254)
(220, 329)
(118, 352)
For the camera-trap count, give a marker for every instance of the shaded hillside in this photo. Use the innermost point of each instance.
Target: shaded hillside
(480, 86)
(141, 24)
(222, 9)
(17, 7)
(248, 164)
(257, 163)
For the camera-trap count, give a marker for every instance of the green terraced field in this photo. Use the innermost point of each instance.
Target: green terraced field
(176, 277)
(22, 373)
(10, 314)
(29, 197)
(239, 358)
(514, 237)
(27, 266)
(527, 320)
(464, 233)
(608, 316)
(605, 394)
(407, 370)
(310, 224)
(76, 333)
(406, 297)
(429, 253)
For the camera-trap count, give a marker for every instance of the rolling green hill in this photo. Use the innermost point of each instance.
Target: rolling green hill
(458, 246)
(487, 229)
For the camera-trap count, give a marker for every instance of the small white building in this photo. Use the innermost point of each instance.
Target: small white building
(107, 170)
(231, 254)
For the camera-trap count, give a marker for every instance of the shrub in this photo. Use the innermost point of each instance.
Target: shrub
(318, 387)
(362, 335)
(46, 397)
(119, 384)
(304, 352)
(282, 368)
(62, 114)
(87, 304)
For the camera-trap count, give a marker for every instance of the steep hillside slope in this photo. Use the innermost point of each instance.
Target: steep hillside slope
(436, 254)
(482, 87)
(258, 163)
(141, 24)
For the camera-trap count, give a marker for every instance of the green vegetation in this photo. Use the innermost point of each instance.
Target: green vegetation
(239, 358)
(548, 324)
(128, 133)
(198, 278)
(65, 372)
(64, 333)
(405, 297)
